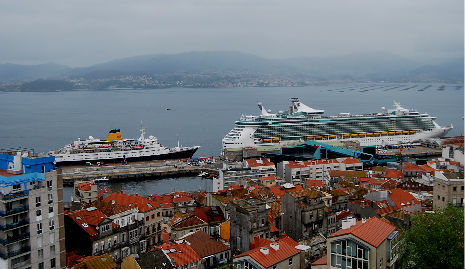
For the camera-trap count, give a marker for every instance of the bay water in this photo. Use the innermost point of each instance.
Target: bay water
(44, 121)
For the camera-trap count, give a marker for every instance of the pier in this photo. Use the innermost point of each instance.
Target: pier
(137, 171)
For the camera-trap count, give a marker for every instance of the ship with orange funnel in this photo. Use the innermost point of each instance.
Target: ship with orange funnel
(116, 149)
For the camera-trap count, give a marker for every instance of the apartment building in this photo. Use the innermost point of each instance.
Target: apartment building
(31, 212)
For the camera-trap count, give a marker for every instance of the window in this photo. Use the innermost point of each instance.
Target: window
(40, 253)
(454, 188)
(49, 184)
(443, 199)
(52, 263)
(38, 201)
(109, 243)
(461, 188)
(158, 213)
(16, 187)
(39, 213)
(50, 209)
(51, 224)
(41, 265)
(290, 261)
(147, 218)
(50, 198)
(39, 228)
(153, 216)
(52, 250)
(439, 197)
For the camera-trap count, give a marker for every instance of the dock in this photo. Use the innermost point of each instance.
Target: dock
(135, 171)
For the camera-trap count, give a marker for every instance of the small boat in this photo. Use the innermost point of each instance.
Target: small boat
(203, 174)
(101, 179)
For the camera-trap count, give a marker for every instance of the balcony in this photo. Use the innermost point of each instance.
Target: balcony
(15, 210)
(13, 225)
(16, 195)
(12, 253)
(12, 239)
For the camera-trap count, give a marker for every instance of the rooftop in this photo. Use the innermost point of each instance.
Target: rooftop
(97, 262)
(204, 245)
(182, 254)
(131, 201)
(373, 231)
(278, 251)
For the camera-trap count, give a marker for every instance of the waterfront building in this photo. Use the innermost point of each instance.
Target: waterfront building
(238, 176)
(31, 213)
(110, 228)
(448, 188)
(85, 192)
(299, 171)
(150, 214)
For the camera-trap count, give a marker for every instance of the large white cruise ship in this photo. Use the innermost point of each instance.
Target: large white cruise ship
(117, 149)
(393, 126)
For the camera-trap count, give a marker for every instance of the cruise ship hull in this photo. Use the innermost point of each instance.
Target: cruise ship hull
(302, 123)
(121, 157)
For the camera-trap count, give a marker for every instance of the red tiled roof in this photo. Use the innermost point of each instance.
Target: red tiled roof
(259, 242)
(295, 165)
(400, 197)
(374, 231)
(259, 162)
(85, 186)
(315, 183)
(390, 173)
(188, 222)
(87, 220)
(268, 178)
(427, 168)
(279, 191)
(411, 167)
(286, 250)
(390, 184)
(183, 254)
(204, 245)
(210, 213)
(373, 181)
(454, 163)
(321, 261)
(349, 160)
(343, 214)
(131, 201)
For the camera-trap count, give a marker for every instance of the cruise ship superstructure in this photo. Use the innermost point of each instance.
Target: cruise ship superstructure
(301, 122)
(117, 149)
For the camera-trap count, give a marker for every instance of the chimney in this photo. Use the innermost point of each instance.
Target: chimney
(364, 220)
(264, 250)
(274, 246)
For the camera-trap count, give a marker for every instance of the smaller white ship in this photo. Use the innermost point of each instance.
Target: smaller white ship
(117, 149)
(101, 179)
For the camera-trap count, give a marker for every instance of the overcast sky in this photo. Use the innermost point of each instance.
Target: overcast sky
(84, 32)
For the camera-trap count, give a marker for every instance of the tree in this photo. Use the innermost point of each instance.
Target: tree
(434, 240)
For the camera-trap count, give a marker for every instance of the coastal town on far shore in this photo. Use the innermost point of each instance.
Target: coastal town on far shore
(336, 209)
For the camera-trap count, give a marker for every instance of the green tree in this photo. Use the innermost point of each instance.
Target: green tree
(434, 240)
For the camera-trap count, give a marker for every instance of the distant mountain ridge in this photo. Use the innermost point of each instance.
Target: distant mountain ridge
(369, 66)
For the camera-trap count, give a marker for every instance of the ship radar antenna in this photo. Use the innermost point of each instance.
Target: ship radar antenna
(178, 140)
(142, 131)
